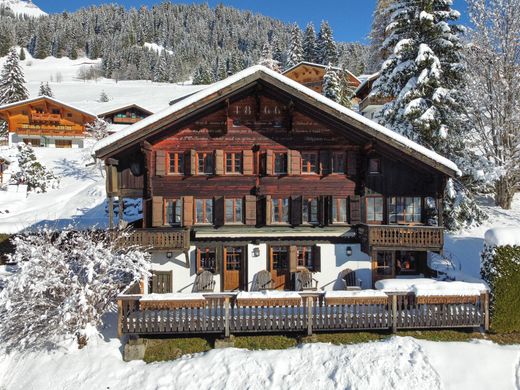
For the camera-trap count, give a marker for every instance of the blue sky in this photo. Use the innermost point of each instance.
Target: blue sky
(350, 19)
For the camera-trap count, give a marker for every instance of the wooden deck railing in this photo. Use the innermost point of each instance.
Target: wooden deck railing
(160, 238)
(387, 236)
(127, 119)
(36, 116)
(224, 314)
(373, 101)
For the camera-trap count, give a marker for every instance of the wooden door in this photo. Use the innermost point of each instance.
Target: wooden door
(234, 268)
(279, 267)
(383, 265)
(63, 143)
(161, 282)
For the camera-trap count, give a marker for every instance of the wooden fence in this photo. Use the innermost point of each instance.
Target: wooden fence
(226, 314)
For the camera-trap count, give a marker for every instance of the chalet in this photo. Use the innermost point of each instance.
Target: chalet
(370, 106)
(125, 115)
(257, 182)
(45, 121)
(311, 75)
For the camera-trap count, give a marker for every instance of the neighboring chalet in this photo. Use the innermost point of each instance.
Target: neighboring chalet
(311, 75)
(257, 184)
(126, 115)
(46, 122)
(370, 106)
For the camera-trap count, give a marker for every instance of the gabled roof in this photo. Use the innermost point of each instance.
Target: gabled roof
(365, 82)
(50, 99)
(141, 130)
(303, 63)
(126, 107)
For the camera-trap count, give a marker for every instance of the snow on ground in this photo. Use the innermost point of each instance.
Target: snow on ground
(398, 363)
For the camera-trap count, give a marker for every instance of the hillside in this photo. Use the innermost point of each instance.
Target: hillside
(23, 8)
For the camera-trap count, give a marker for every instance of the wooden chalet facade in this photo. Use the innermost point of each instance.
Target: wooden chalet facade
(256, 173)
(126, 115)
(370, 106)
(46, 122)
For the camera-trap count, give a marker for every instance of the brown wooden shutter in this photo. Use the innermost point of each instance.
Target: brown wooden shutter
(322, 210)
(269, 162)
(267, 209)
(325, 163)
(250, 206)
(296, 210)
(193, 162)
(293, 258)
(219, 162)
(157, 211)
(219, 255)
(160, 163)
(187, 210)
(248, 162)
(295, 162)
(219, 211)
(355, 210)
(352, 163)
(317, 258)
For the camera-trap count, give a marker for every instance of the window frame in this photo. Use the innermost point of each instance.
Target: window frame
(306, 166)
(205, 203)
(206, 250)
(280, 202)
(372, 208)
(391, 207)
(336, 210)
(178, 207)
(334, 164)
(205, 156)
(389, 258)
(307, 212)
(234, 170)
(235, 221)
(301, 260)
(379, 170)
(236, 252)
(286, 163)
(177, 165)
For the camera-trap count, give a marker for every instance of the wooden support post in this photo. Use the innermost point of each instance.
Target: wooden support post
(111, 212)
(394, 313)
(309, 316)
(121, 210)
(226, 318)
(485, 308)
(119, 318)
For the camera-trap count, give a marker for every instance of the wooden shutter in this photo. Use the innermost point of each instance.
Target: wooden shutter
(193, 162)
(157, 211)
(293, 258)
(355, 210)
(317, 258)
(219, 211)
(250, 206)
(248, 162)
(325, 163)
(269, 162)
(187, 210)
(295, 162)
(267, 209)
(296, 210)
(219, 162)
(322, 210)
(352, 163)
(219, 255)
(160, 163)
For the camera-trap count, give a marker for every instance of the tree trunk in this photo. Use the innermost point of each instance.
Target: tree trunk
(504, 193)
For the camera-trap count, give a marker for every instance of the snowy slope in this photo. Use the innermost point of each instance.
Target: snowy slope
(24, 7)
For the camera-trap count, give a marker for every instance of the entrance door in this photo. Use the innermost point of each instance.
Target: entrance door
(63, 143)
(233, 268)
(279, 267)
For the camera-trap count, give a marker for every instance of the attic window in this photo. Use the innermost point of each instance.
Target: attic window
(69, 115)
(374, 166)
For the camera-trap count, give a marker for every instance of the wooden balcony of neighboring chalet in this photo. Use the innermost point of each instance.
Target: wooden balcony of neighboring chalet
(396, 237)
(45, 117)
(50, 131)
(160, 239)
(126, 120)
(373, 101)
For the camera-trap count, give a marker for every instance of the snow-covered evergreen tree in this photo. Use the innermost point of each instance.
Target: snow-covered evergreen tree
(22, 54)
(64, 283)
(161, 74)
(12, 88)
(103, 97)
(309, 44)
(202, 76)
(267, 58)
(378, 34)
(98, 129)
(295, 53)
(346, 89)
(45, 90)
(327, 52)
(32, 173)
(331, 84)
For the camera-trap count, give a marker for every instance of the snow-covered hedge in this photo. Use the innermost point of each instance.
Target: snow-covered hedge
(65, 282)
(501, 270)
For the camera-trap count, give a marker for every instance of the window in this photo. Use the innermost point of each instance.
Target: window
(173, 212)
(205, 163)
(69, 115)
(310, 210)
(374, 166)
(384, 263)
(233, 258)
(404, 209)
(234, 162)
(204, 211)
(309, 162)
(280, 163)
(176, 163)
(338, 162)
(280, 210)
(339, 210)
(160, 282)
(234, 211)
(405, 262)
(375, 209)
(55, 111)
(305, 256)
(207, 259)
(280, 258)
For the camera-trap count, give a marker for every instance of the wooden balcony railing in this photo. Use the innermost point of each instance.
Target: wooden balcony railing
(406, 237)
(52, 131)
(127, 119)
(160, 239)
(37, 116)
(373, 101)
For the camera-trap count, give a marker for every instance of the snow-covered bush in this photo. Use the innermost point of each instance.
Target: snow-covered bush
(33, 173)
(460, 208)
(98, 129)
(65, 282)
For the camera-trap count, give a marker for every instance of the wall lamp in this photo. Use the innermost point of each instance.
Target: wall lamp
(169, 255)
(349, 251)
(256, 252)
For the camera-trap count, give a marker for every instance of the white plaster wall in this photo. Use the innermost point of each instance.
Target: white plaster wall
(48, 142)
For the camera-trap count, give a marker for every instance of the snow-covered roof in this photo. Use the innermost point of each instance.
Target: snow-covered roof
(431, 287)
(51, 99)
(256, 72)
(118, 107)
(366, 80)
(503, 236)
(337, 68)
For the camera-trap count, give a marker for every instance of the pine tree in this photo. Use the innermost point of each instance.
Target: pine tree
(327, 52)
(295, 54)
(378, 34)
(309, 44)
(331, 84)
(32, 172)
(22, 54)
(161, 70)
(346, 89)
(45, 90)
(266, 58)
(12, 80)
(103, 98)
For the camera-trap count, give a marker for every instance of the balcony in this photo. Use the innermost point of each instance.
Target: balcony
(429, 238)
(373, 101)
(160, 239)
(45, 117)
(126, 120)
